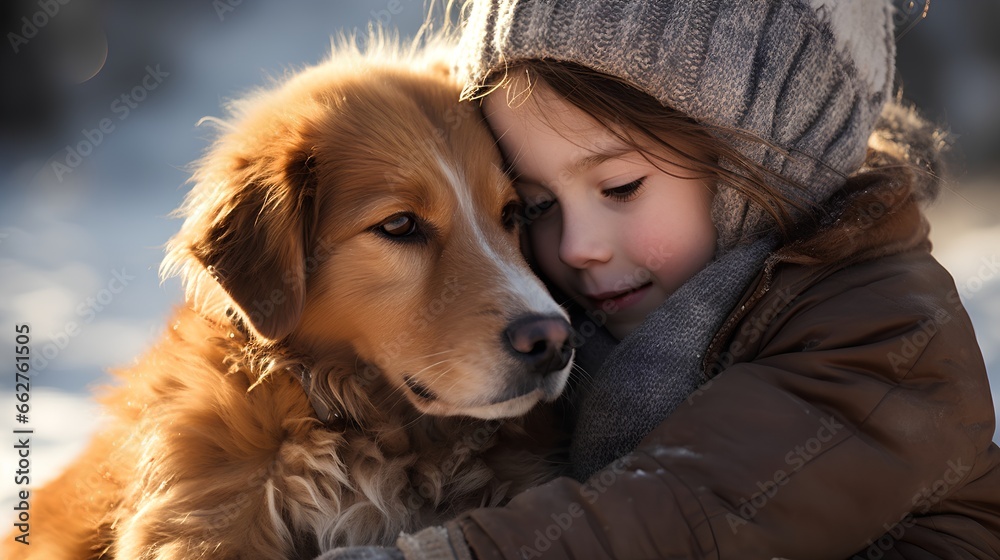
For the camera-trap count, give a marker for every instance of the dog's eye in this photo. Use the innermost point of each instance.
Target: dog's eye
(402, 225)
(512, 214)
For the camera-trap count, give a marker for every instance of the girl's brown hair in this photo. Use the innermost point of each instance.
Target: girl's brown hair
(641, 121)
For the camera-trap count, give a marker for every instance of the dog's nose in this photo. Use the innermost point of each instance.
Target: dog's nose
(540, 342)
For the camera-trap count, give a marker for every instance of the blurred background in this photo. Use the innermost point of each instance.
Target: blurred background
(98, 123)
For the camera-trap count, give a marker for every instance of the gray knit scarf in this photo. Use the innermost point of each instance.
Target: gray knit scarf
(631, 387)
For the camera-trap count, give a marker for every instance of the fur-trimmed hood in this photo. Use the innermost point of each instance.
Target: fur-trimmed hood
(879, 209)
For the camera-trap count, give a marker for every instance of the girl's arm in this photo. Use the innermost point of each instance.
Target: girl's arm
(863, 422)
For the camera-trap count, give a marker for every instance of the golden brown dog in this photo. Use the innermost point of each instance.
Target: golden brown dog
(358, 321)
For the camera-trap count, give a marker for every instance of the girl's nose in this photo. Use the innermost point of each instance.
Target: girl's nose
(584, 242)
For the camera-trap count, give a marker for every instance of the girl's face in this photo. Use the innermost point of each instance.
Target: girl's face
(609, 228)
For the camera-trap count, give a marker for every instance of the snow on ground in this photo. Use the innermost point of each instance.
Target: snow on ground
(62, 423)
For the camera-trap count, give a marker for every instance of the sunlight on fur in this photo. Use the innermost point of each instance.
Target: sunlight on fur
(360, 340)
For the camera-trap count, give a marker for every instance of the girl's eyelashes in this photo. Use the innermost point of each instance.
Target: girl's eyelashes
(625, 192)
(537, 207)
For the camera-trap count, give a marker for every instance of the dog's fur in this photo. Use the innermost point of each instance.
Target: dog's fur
(214, 450)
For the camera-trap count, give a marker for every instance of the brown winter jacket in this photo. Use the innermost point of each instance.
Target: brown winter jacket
(848, 413)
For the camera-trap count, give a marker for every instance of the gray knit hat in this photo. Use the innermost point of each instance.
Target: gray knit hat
(810, 76)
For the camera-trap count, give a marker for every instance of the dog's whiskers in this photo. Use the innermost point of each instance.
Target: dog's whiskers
(423, 369)
(432, 354)
(582, 373)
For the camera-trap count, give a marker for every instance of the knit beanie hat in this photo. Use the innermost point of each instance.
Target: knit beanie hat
(809, 76)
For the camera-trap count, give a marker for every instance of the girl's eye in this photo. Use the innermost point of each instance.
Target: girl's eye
(625, 192)
(534, 209)
(402, 225)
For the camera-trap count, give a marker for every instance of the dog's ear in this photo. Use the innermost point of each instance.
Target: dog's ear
(247, 226)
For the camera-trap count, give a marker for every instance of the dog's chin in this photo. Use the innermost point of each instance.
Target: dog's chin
(508, 402)
(511, 408)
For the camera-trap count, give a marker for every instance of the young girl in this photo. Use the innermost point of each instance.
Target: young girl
(772, 364)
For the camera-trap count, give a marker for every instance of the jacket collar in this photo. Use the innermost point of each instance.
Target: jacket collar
(876, 214)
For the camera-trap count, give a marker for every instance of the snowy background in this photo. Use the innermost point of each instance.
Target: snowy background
(80, 246)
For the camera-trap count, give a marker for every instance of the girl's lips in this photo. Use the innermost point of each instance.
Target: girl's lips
(620, 299)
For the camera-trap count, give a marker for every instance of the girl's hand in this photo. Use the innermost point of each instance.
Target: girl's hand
(363, 553)
(432, 543)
